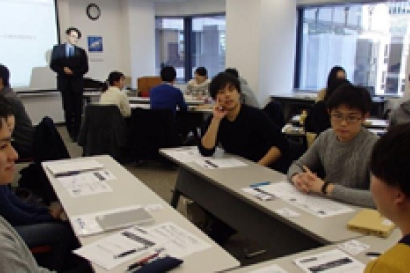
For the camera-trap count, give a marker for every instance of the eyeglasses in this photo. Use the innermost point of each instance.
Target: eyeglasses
(73, 36)
(349, 119)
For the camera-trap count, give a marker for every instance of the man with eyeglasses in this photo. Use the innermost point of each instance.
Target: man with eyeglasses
(70, 63)
(342, 152)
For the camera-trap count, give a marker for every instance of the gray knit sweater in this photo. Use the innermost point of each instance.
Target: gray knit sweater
(346, 165)
(14, 254)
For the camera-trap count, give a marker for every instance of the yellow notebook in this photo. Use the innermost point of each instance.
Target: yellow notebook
(371, 222)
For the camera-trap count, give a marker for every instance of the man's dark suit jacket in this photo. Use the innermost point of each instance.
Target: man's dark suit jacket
(77, 63)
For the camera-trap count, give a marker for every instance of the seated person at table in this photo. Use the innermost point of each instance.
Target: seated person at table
(336, 72)
(247, 95)
(318, 119)
(165, 95)
(390, 187)
(241, 129)
(343, 152)
(113, 95)
(401, 114)
(198, 87)
(23, 135)
(38, 226)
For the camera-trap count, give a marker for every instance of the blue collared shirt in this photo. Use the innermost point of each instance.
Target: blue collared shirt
(67, 49)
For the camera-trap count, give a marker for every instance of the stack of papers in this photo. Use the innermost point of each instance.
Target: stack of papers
(270, 269)
(72, 167)
(135, 242)
(219, 163)
(314, 204)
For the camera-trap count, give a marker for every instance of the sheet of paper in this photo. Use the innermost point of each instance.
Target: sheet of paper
(112, 250)
(353, 247)
(86, 224)
(287, 212)
(316, 205)
(87, 183)
(57, 168)
(333, 261)
(270, 269)
(185, 154)
(167, 237)
(219, 163)
(154, 207)
(177, 242)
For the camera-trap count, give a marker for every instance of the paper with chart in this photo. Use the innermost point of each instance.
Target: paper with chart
(270, 269)
(87, 183)
(136, 241)
(61, 168)
(333, 261)
(86, 224)
(316, 205)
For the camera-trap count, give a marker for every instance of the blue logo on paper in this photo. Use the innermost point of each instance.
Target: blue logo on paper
(95, 44)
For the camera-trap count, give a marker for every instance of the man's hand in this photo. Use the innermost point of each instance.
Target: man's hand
(68, 71)
(314, 183)
(300, 182)
(219, 112)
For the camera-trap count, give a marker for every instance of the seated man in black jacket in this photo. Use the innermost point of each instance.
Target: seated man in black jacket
(241, 129)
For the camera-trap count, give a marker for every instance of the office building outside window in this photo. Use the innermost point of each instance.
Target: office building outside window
(369, 40)
(189, 42)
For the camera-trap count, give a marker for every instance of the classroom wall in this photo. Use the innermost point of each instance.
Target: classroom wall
(189, 8)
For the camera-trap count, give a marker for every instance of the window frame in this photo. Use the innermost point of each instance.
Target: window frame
(188, 39)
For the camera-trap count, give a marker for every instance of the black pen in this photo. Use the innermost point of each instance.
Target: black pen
(128, 252)
(212, 164)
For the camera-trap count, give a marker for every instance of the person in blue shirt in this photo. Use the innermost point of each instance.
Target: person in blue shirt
(165, 95)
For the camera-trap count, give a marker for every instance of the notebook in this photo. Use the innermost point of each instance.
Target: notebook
(371, 222)
(124, 219)
(73, 167)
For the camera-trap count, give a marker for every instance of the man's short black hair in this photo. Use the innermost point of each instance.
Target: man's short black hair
(68, 31)
(390, 159)
(222, 80)
(201, 71)
(168, 74)
(5, 75)
(233, 71)
(353, 97)
(5, 110)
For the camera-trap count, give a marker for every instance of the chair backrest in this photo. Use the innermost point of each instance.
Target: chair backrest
(103, 131)
(274, 110)
(48, 144)
(145, 84)
(150, 130)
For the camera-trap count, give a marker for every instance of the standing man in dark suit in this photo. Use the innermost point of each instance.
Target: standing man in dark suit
(70, 63)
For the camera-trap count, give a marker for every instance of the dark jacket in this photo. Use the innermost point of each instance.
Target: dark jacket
(103, 131)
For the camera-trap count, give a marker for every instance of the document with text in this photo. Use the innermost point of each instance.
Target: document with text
(314, 204)
(333, 261)
(87, 183)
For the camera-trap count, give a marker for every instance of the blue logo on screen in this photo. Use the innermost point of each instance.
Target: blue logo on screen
(95, 44)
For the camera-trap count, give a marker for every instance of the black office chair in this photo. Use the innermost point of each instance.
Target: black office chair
(151, 130)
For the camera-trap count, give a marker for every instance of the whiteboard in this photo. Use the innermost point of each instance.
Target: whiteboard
(28, 33)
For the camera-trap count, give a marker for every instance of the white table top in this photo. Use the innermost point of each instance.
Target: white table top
(188, 100)
(190, 109)
(377, 245)
(327, 230)
(128, 191)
